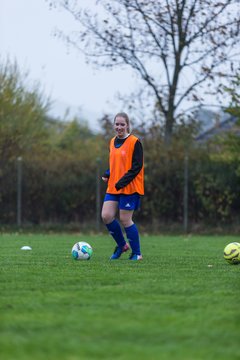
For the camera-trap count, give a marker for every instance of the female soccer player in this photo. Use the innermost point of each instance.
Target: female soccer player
(125, 180)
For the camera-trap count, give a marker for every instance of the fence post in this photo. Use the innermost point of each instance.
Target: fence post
(98, 193)
(19, 191)
(185, 192)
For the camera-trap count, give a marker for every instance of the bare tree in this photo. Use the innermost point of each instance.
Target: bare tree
(176, 46)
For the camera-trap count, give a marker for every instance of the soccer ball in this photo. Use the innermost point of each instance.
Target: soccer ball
(232, 253)
(82, 251)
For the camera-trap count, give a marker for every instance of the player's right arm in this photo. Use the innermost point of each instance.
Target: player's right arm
(106, 175)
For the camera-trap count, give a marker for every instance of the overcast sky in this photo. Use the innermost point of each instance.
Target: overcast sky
(26, 35)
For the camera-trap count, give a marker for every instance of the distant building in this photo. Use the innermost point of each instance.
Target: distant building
(217, 124)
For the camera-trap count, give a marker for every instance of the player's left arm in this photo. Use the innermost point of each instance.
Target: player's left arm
(137, 164)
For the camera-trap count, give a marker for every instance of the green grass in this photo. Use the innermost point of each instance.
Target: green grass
(172, 305)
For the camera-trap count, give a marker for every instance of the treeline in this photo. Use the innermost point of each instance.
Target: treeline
(57, 166)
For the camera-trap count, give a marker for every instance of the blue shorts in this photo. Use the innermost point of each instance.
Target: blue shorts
(125, 202)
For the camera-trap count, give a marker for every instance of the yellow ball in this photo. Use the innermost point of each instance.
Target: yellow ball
(231, 253)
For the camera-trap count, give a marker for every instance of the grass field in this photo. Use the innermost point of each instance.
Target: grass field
(172, 305)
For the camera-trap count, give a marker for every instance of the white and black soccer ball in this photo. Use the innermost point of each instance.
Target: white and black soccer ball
(82, 251)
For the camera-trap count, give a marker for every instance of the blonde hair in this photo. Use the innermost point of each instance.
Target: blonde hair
(125, 116)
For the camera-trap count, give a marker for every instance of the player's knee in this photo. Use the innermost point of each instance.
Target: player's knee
(126, 221)
(107, 218)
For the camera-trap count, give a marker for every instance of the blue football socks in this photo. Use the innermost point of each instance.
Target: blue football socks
(115, 230)
(133, 237)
